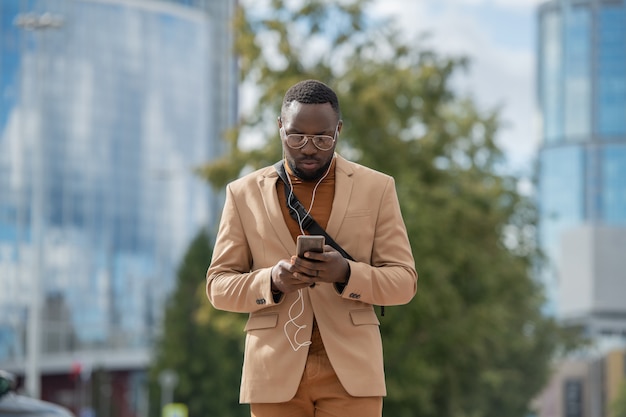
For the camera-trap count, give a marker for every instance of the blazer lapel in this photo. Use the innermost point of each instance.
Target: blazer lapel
(267, 185)
(343, 192)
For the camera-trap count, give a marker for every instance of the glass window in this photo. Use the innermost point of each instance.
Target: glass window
(561, 191)
(577, 69)
(550, 76)
(561, 206)
(611, 92)
(614, 184)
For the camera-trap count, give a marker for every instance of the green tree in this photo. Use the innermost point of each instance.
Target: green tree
(474, 342)
(203, 346)
(619, 405)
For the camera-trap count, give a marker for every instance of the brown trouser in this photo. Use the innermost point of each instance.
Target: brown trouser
(320, 394)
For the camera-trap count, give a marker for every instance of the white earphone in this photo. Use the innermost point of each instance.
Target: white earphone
(295, 345)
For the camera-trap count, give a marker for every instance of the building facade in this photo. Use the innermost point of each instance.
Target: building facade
(106, 108)
(582, 161)
(584, 387)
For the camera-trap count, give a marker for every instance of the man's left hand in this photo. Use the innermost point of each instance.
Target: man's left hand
(327, 266)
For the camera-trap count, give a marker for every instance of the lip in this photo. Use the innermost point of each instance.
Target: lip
(309, 164)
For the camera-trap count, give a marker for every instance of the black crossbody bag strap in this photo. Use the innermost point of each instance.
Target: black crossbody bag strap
(299, 213)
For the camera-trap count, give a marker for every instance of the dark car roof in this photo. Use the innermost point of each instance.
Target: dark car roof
(13, 405)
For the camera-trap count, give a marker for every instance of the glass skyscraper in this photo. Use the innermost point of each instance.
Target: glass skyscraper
(106, 108)
(582, 160)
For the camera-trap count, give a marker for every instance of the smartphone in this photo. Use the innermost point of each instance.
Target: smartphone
(310, 243)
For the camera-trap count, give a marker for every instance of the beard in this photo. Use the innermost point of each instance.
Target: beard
(304, 176)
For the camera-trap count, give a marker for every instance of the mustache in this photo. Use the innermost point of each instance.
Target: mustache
(308, 159)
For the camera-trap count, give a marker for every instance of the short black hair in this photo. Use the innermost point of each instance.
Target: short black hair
(311, 92)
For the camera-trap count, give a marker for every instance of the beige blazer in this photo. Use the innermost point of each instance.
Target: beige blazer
(252, 237)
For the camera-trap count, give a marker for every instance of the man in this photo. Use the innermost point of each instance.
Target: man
(313, 345)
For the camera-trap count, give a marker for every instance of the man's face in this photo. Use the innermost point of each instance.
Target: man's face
(308, 162)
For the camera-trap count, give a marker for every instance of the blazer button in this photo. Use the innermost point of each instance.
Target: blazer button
(260, 301)
(354, 295)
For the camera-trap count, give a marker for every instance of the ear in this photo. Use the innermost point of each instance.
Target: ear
(280, 122)
(339, 126)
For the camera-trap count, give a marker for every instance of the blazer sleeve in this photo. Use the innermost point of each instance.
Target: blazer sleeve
(389, 276)
(231, 284)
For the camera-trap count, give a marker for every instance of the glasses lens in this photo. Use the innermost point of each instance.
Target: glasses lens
(323, 143)
(296, 141)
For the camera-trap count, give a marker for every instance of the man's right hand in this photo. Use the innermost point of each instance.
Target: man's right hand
(284, 280)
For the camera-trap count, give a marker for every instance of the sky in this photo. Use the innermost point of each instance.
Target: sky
(499, 38)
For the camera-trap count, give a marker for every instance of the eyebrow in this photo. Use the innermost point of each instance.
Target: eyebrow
(324, 133)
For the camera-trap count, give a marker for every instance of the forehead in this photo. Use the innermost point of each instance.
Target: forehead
(309, 117)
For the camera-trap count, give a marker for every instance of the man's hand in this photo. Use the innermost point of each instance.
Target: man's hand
(328, 266)
(284, 279)
(296, 273)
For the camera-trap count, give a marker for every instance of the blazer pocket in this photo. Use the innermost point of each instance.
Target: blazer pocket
(358, 213)
(261, 321)
(365, 316)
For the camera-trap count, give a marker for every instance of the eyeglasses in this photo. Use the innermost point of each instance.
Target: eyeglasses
(299, 140)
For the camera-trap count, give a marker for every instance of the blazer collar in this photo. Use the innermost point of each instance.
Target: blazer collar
(343, 192)
(267, 184)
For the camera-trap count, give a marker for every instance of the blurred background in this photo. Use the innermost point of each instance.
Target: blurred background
(503, 122)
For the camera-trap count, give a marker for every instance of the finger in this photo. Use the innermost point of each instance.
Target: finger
(314, 256)
(300, 284)
(304, 276)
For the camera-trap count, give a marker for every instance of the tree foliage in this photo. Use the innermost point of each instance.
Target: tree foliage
(619, 405)
(203, 346)
(474, 342)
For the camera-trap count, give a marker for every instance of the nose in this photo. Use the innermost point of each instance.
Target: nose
(309, 147)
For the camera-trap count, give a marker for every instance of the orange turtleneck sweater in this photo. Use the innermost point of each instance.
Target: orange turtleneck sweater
(320, 211)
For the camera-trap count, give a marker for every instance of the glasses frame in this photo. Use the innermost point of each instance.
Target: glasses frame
(310, 137)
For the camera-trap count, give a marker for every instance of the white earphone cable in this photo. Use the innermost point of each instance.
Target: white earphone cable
(295, 345)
